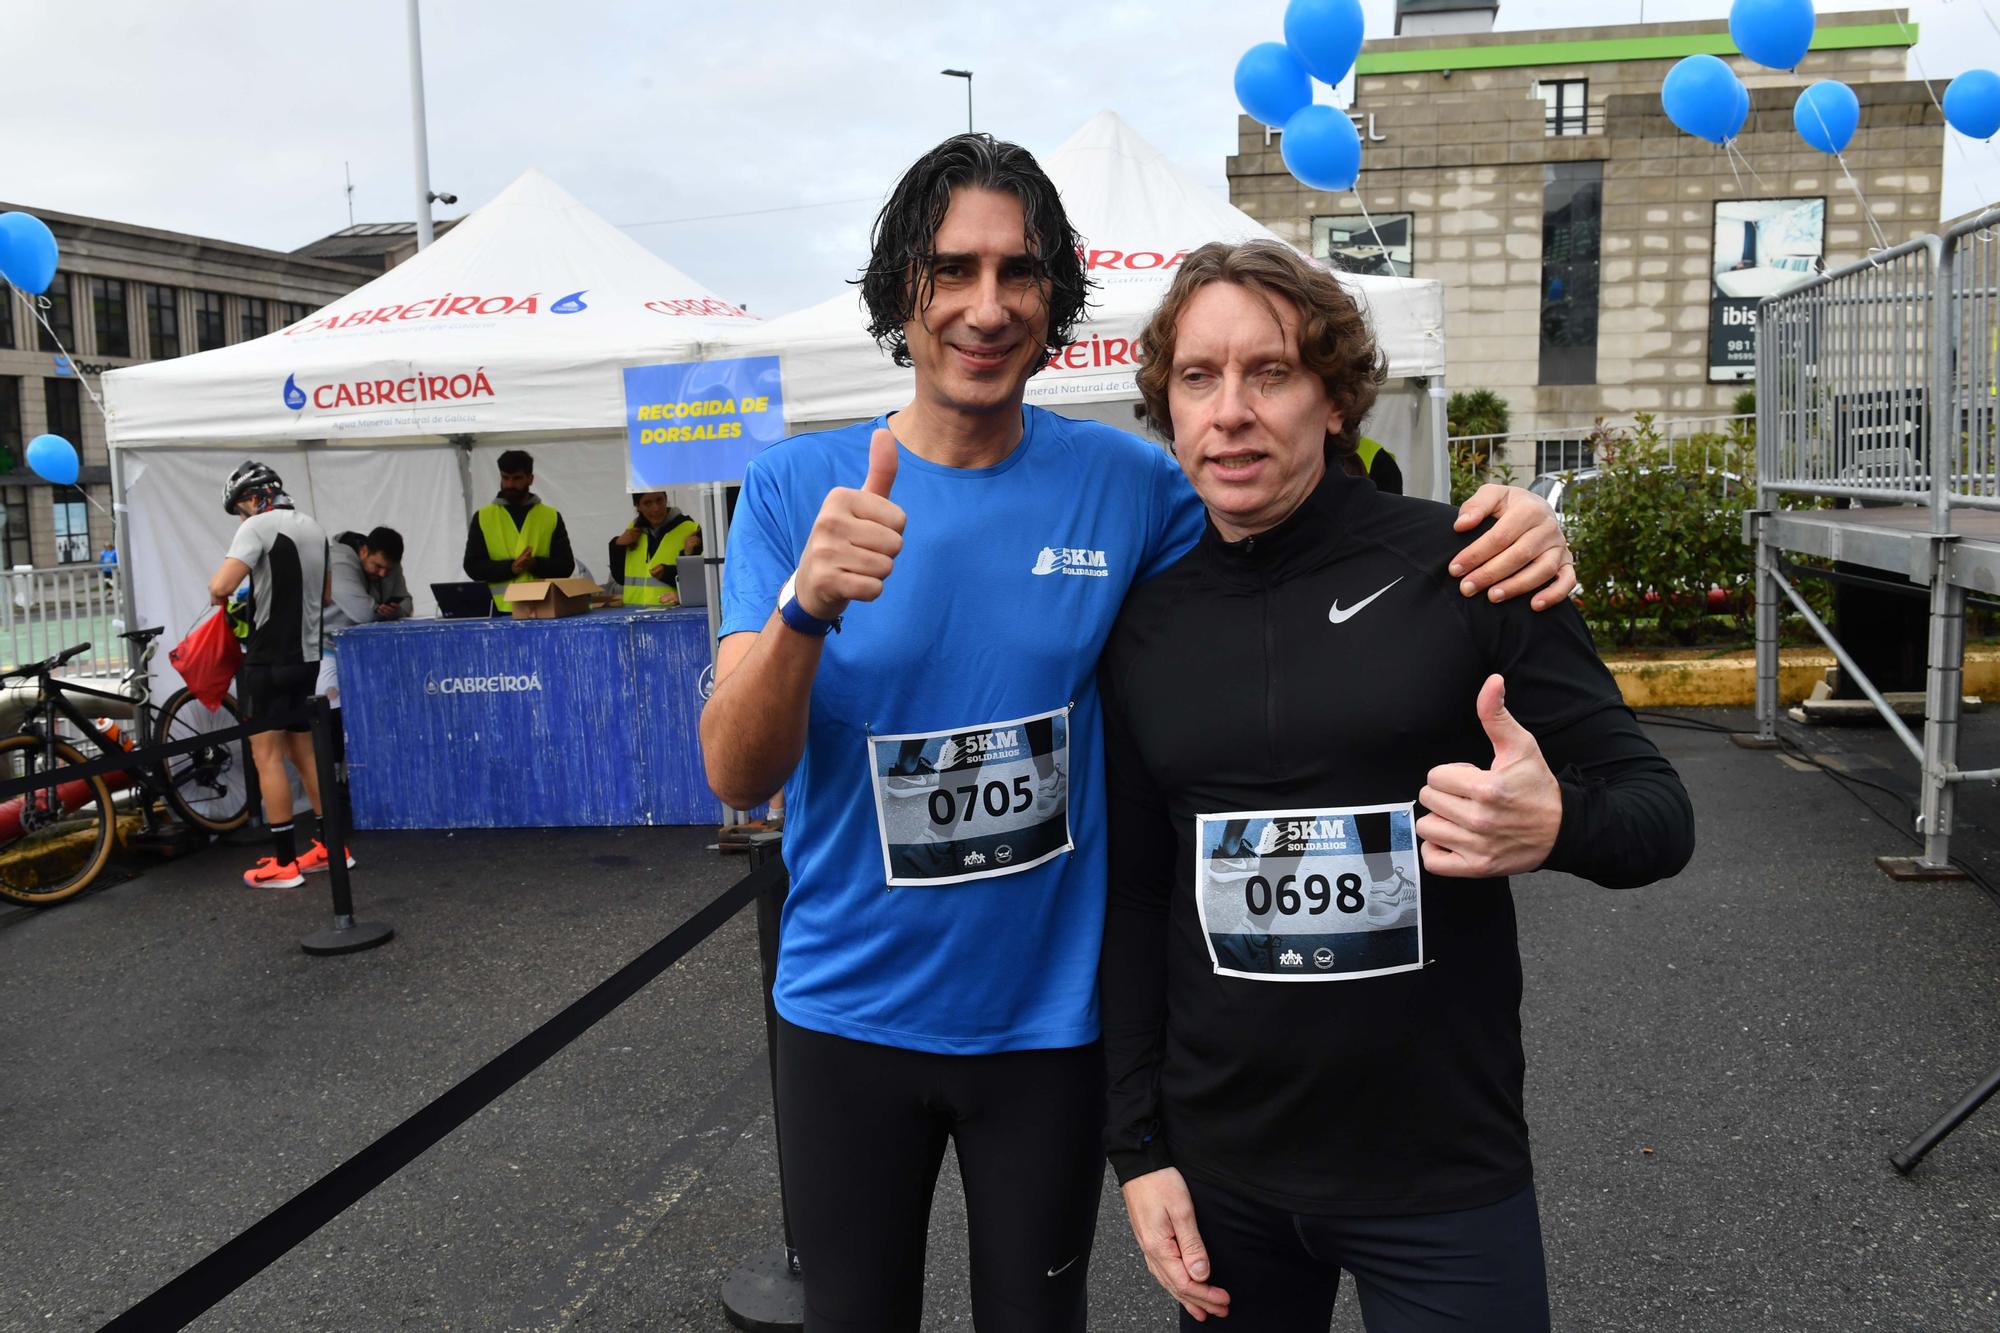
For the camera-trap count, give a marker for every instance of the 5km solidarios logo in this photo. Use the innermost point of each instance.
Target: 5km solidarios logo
(1071, 560)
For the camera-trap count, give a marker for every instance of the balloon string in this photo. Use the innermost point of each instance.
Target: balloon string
(1729, 152)
(36, 305)
(1963, 156)
(1355, 190)
(1742, 157)
(1869, 213)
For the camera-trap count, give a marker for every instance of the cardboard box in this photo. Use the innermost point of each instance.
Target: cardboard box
(550, 599)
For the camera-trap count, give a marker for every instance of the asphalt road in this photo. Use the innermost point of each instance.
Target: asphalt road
(1718, 1068)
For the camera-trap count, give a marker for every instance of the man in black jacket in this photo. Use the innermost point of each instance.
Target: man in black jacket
(1322, 765)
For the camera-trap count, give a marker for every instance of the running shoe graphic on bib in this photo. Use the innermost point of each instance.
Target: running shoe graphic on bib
(973, 802)
(1310, 895)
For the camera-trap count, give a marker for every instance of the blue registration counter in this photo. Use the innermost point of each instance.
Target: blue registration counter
(589, 720)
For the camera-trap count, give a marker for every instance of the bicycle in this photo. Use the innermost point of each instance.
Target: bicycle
(55, 839)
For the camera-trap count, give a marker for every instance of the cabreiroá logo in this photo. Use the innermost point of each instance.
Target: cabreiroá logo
(570, 305)
(295, 397)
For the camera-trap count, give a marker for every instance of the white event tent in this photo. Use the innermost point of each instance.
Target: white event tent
(391, 405)
(1137, 214)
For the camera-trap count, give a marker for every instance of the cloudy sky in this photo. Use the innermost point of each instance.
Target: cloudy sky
(234, 118)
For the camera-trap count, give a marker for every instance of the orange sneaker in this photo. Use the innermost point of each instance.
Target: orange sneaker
(315, 858)
(271, 873)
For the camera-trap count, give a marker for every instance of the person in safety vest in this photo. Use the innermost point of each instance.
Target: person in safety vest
(517, 537)
(644, 559)
(1377, 464)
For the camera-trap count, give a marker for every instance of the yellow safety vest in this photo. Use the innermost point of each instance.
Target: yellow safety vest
(504, 541)
(1365, 449)
(641, 588)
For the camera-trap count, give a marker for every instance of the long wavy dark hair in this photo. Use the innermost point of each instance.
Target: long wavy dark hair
(899, 281)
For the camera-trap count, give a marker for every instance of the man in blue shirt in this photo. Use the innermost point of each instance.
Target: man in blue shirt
(941, 755)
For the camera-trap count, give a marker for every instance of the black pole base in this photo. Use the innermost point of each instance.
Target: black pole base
(349, 939)
(1913, 1152)
(764, 1295)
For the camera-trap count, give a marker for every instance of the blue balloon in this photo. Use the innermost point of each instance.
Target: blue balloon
(1826, 114)
(1774, 33)
(1699, 94)
(27, 252)
(1321, 148)
(1742, 112)
(53, 458)
(1972, 103)
(1325, 35)
(1271, 84)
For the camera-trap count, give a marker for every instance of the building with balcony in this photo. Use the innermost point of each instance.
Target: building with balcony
(1596, 261)
(123, 294)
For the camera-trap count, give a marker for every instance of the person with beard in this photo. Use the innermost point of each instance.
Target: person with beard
(517, 537)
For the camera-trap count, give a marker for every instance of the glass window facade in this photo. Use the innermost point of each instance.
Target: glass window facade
(14, 526)
(1563, 455)
(253, 317)
(110, 319)
(62, 396)
(1566, 104)
(210, 331)
(1572, 228)
(10, 423)
(60, 315)
(72, 517)
(163, 322)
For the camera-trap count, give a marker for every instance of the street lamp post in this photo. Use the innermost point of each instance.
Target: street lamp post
(965, 74)
(424, 195)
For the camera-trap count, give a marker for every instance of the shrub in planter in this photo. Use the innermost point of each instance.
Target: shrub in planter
(1658, 534)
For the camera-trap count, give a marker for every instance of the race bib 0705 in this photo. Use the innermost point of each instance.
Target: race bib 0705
(1310, 895)
(973, 802)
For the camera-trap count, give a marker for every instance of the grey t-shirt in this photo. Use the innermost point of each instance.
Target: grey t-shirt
(286, 553)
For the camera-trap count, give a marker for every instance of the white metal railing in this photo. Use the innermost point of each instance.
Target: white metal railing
(1972, 339)
(45, 611)
(1499, 453)
(1847, 376)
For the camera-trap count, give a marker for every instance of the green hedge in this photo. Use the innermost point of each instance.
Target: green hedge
(1658, 536)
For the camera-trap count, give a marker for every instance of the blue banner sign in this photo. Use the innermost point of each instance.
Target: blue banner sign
(700, 420)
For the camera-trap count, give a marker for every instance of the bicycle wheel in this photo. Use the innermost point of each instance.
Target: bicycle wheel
(205, 786)
(54, 839)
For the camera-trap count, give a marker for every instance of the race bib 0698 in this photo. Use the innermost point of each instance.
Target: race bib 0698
(1310, 895)
(973, 802)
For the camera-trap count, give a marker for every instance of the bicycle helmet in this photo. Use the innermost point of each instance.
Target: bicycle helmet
(249, 478)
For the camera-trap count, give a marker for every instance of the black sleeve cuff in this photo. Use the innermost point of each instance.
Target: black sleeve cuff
(1567, 854)
(1129, 1164)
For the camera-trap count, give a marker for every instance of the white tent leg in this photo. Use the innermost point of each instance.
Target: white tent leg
(1440, 462)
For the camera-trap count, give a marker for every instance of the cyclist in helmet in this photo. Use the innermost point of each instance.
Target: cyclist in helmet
(283, 554)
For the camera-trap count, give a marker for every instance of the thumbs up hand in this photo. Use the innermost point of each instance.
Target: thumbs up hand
(855, 539)
(1486, 822)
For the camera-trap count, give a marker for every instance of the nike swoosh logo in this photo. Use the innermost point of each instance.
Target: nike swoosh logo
(1054, 1271)
(1338, 616)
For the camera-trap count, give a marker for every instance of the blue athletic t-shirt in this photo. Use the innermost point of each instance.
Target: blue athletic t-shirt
(1007, 586)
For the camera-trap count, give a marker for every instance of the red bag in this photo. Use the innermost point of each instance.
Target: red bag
(207, 658)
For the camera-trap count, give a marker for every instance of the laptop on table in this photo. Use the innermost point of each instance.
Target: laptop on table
(463, 601)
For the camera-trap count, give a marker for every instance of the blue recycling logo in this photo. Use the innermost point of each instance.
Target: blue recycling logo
(570, 305)
(295, 397)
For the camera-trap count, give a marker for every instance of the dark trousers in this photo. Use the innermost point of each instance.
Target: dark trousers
(1477, 1271)
(863, 1130)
